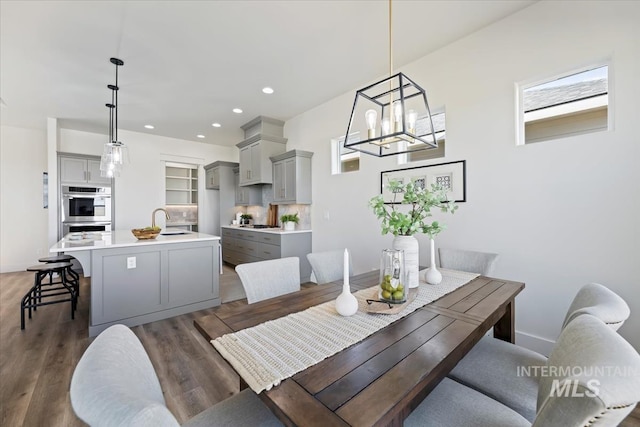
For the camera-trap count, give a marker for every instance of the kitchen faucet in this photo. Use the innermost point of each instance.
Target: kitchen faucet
(153, 216)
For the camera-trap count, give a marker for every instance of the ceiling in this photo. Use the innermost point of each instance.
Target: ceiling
(187, 64)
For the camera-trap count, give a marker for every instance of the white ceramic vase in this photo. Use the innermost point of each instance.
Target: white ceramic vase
(289, 226)
(346, 303)
(409, 245)
(432, 276)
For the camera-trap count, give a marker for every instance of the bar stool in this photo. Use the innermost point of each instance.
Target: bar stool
(33, 298)
(75, 278)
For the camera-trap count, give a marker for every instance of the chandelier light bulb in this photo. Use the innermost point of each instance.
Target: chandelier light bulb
(371, 117)
(385, 124)
(412, 118)
(397, 115)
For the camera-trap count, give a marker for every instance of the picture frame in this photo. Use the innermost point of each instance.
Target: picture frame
(451, 175)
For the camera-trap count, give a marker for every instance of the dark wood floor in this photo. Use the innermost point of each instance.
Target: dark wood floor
(36, 364)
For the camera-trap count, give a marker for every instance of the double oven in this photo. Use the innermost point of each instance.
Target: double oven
(85, 209)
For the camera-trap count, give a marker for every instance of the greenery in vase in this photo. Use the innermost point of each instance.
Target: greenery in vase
(246, 216)
(421, 201)
(290, 218)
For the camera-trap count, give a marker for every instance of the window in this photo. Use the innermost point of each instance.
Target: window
(418, 154)
(344, 159)
(570, 105)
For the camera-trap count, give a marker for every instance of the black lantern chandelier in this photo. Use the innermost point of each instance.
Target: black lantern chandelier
(115, 153)
(391, 116)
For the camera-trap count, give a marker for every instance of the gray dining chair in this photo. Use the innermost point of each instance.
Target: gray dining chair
(491, 365)
(587, 382)
(328, 266)
(470, 261)
(267, 279)
(114, 384)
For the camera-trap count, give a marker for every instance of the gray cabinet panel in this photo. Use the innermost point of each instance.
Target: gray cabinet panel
(81, 170)
(292, 177)
(128, 292)
(245, 245)
(93, 172)
(167, 280)
(255, 166)
(250, 195)
(191, 272)
(212, 177)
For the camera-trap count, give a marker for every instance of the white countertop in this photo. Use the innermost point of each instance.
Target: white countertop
(119, 239)
(266, 230)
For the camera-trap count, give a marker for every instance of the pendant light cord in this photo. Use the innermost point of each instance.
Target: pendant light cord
(115, 129)
(390, 41)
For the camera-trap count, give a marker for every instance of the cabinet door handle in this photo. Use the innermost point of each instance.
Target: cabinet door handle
(267, 238)
(268, 253)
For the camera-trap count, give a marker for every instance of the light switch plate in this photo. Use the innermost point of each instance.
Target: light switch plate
(131, 262)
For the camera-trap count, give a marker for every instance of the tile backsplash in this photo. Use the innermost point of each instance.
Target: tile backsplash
(260, 212)
(181, 214)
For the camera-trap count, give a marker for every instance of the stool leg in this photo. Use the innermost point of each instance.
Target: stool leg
(22, 312)
(76, 279)
(71, 288)
(27, 302)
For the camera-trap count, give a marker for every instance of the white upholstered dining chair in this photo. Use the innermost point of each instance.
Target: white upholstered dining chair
(328, 266)
(267, 279)
(592, 379)
(114, 384)
(491, 366)
(470, 261)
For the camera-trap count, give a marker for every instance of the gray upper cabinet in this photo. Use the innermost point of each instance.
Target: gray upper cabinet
(246, 196)
(212, 177)
(292, 177)
(213, 173)
(263, 139)
(81, 170)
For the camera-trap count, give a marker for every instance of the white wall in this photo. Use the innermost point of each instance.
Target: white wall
(23, 219)
(25, 233)
(560, 213)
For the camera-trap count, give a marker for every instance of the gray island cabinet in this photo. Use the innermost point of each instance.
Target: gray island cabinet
(241, 245)
(140, 281)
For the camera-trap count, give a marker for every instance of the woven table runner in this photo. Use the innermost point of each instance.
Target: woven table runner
(270, 352)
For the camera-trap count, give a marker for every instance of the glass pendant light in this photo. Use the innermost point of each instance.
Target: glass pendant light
(115, 153)
(393, 114)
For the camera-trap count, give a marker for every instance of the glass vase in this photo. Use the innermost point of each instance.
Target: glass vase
(393, 287)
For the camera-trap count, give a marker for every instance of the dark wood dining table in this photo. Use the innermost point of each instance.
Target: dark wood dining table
(381, 379)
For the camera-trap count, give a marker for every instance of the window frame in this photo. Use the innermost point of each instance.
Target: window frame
(337, 144)
(521, 86)
(404, 158)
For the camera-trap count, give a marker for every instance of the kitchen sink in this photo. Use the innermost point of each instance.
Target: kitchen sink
(173, 232)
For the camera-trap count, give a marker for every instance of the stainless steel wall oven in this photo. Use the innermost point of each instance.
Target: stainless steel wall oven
(85, 209)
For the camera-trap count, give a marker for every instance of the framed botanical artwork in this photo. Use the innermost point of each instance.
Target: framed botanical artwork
(451, 175)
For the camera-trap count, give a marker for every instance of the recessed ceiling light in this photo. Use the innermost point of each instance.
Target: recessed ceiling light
(267, 90)
(216, 125)
(237, 110)
(149, 126)
(200, 136)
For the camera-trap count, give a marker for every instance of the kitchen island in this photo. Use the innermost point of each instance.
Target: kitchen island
(139, 281)
(247, 244)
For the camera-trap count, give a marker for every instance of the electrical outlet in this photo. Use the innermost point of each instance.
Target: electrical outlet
(184, 214)
(131, 262)
(327, 217)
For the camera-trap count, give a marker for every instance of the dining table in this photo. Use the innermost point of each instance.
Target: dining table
(379, 380)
